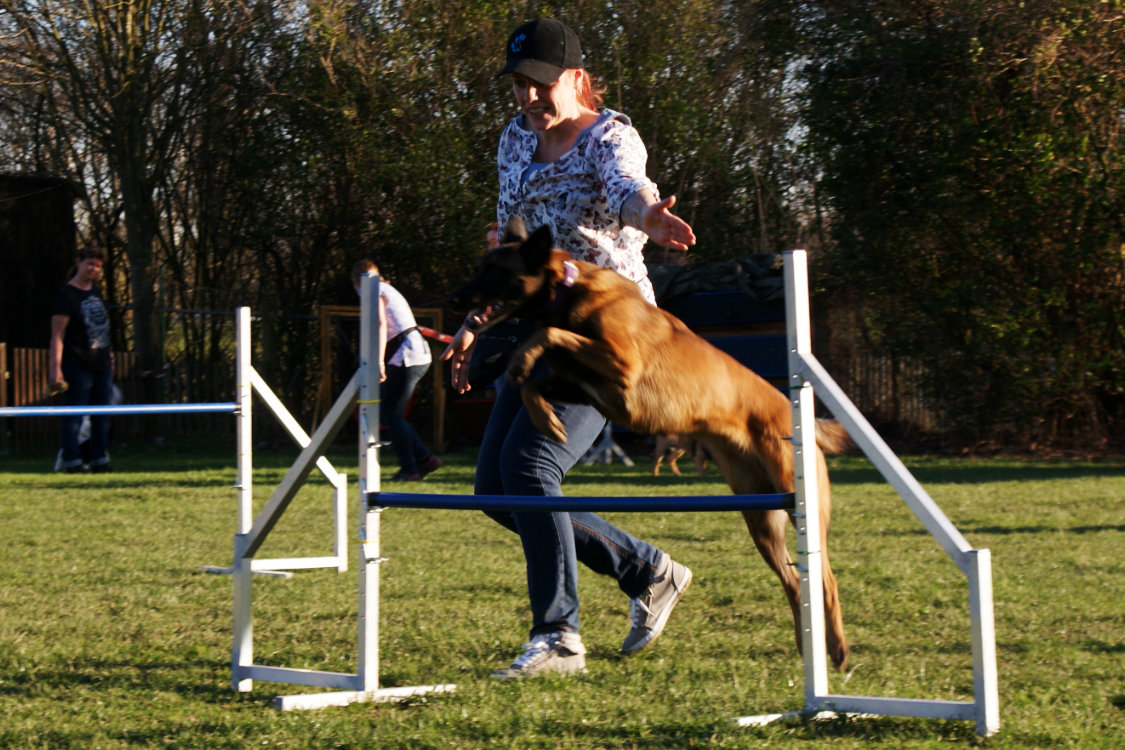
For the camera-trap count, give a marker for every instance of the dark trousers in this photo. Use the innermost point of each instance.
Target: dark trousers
(396, 392)
(517, 459)
(86, 388)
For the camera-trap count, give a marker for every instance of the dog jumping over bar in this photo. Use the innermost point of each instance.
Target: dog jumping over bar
(645, 370)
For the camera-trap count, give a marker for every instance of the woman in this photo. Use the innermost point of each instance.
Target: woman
(564, 164)
(404, 357)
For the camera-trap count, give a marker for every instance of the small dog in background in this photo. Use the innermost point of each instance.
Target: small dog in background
(668, 450)
(671, 448)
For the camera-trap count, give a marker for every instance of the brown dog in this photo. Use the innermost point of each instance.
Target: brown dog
(645, 370)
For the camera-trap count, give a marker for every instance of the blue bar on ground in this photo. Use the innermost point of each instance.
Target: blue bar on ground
(779, 501)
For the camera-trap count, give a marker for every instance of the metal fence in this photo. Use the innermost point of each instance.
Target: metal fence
(884, 389)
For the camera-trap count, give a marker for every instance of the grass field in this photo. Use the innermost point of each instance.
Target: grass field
(110, 637)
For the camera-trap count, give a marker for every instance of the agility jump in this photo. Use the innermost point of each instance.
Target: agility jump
(805, 373)
(247, 382)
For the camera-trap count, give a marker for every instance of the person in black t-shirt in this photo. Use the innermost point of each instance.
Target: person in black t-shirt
(81, 363)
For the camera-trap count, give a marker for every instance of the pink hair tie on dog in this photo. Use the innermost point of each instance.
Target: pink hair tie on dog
(570, 273)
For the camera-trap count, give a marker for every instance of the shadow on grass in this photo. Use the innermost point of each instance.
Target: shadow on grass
(1101, 647)
(173, 675)
(123, 481)
(955, 471)
(689, 734)
(1001, 530)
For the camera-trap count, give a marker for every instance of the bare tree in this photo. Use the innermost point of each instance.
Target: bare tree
(108, 74)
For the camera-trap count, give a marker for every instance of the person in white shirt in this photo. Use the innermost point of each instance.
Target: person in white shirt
(404, 357)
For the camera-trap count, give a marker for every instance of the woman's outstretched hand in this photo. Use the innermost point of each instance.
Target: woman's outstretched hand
(460, 351)
(665, 228)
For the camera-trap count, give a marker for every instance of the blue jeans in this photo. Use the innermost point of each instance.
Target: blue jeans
(86, 387)
(517, 459)
(396, 392)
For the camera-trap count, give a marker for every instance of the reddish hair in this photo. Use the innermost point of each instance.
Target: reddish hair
(591, 91)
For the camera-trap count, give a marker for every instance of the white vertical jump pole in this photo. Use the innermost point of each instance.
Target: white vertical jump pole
(245, 402)
(242, 650)
(369, 481)
(805, 373)
(807, 498)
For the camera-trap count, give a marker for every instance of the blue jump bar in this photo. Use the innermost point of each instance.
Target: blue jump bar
(781, 501)
(78, 411)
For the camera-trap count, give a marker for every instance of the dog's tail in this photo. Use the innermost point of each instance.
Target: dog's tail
(831, 436)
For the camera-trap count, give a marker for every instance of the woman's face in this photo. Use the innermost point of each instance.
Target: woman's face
(547, 105)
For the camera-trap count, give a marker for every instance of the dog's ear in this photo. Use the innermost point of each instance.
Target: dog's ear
(514, 231)
(536, 251)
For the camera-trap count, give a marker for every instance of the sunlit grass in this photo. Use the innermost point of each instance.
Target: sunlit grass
(111, 637)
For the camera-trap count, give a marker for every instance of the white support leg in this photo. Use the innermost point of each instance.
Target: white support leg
(244, 400)
(985, 678)
(340, 519)
(242, 651)
(805, 372)
(369, 481)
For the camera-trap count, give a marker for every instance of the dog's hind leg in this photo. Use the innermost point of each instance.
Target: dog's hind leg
(540, 411)
(768, 528)
(837, 641)
(778, 460)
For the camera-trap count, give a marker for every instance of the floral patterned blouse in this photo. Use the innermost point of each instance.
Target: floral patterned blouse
(580, 194)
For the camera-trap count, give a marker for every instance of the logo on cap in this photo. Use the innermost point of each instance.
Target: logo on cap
(517, 43)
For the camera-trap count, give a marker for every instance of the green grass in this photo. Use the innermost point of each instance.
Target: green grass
(110, 637)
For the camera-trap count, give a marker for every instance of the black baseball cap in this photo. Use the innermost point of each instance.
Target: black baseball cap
(542, 49)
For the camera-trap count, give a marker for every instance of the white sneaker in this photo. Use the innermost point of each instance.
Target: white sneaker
(649, 611)
(561, 652)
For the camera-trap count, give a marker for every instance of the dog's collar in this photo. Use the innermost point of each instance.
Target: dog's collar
(570, 275)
